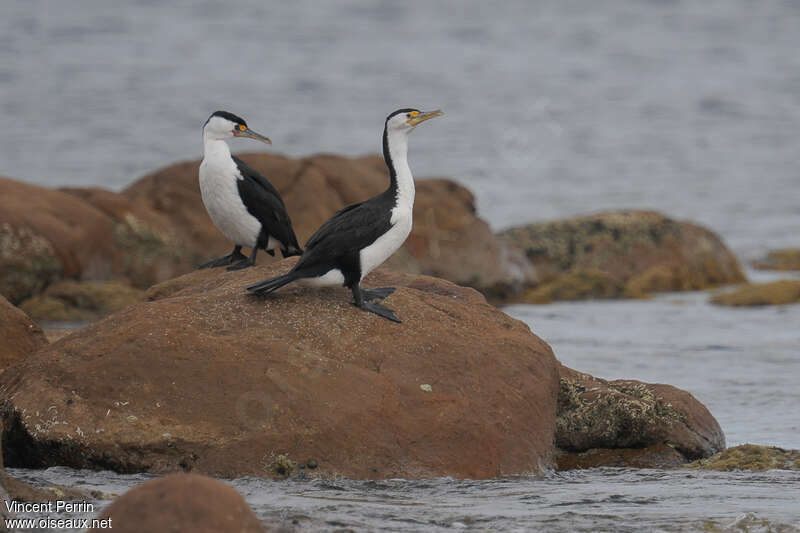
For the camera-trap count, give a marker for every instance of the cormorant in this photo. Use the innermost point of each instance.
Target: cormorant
(362, 236)
(244, 206)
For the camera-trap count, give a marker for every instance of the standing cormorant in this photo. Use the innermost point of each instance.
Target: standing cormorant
(244, 206)
(362, 236)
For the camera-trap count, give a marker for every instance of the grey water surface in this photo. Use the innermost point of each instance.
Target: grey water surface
(553, 108)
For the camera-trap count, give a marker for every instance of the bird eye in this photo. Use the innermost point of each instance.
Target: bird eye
(242, 127)
(413, 114)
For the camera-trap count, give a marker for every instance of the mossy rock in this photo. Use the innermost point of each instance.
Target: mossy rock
(774, 293)
(624, 415)
(81, 300)
(149, 256)
(28, 262)
(623, 254)
(750, 457)
(578, 285)
(783, 259)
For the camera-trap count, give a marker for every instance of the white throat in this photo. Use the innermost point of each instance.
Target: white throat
(215, 149)
(398, 151)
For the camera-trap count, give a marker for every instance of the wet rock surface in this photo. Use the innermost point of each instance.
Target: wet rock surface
(205, 377)
(19, 335)
(595, 414)
(756, 294)
(182, 503)
(622, 254)
(655, 456)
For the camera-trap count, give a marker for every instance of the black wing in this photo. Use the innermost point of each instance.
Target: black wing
(347, 232)
(264, 202)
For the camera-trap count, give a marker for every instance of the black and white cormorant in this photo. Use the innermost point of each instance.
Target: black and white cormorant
(244, 206)
(362, 236)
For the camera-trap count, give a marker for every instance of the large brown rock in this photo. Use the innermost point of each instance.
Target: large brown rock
(622, 253)
(205, 377)
(448, 239)
(181, 503)
(79, 234)
(146, 248)
(158, 228)
(47, 234)
(19, 336)
(85, 234)
(595, 414)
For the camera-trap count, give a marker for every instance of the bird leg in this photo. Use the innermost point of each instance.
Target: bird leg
(245, 262)
(234, 256)
(372, 307)
(378, 293)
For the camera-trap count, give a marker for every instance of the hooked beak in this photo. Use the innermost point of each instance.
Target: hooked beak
(423, 116)
(247, 132)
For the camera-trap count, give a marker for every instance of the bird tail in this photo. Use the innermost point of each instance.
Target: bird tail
(272, 284)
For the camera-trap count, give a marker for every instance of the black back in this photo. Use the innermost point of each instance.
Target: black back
(337, 243)
(264, 202)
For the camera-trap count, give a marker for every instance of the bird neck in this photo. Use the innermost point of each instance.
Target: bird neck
(215, 149)
(395, 152)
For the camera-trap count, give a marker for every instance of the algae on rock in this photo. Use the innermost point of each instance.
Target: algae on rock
(780, 292)
(750, 457)
(28, 262)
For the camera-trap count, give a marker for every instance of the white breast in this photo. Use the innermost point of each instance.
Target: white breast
(384, 246)
(218, 178)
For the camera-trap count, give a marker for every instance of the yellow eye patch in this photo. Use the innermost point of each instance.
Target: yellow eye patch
(242, 127)
(414, 113)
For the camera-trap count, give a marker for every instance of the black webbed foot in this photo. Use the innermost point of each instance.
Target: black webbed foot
(271, 252)
(245, 263)
(380, 310)
(378, 293)
(229, 259)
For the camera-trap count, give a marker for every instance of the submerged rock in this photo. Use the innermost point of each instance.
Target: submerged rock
(181, 503)
(622, 254)
(19, 335)
(754, 294)
(81, 300)
(783, 259)
(750, 457)
(626, 414)
(205, 377)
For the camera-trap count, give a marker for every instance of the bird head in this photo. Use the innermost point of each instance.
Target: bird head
(223, 125)
(405, 120)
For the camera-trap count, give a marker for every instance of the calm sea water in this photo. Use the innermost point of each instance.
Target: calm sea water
(554, 108)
